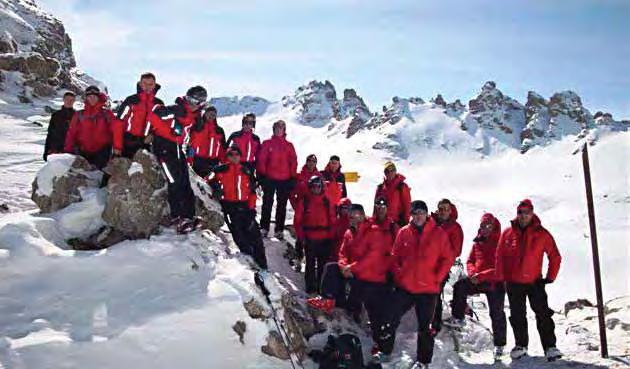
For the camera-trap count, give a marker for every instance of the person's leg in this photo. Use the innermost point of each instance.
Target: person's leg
(167, 157)
(356, 298)
(321, 258)
(269, 190)
(131, 144)
(544, 322)
(281, 205)
(201, 166)
(375, 300)
(517, 293)
(436, 322)
(310, 276)
(425, 311)
(401, 301)
(185, 193)
(254, 238)
(461, 290)
(333, 284)
(496, 304)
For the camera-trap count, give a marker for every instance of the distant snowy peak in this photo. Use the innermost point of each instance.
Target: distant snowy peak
(227, 106)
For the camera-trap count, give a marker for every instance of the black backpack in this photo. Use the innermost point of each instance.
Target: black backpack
(342, 352)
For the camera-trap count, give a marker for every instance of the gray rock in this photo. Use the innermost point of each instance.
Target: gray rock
(256, 310)
(577, 304)
(7, 43)
(240, 328)
(206, 208)
(275, 346)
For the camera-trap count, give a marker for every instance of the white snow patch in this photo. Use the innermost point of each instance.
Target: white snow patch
(135, 168)
(57, 166)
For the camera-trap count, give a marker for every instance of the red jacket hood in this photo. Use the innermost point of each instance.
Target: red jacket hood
(91, 109)
(395, 181)
(452, 218)
(305, 171)
(496, 232)
(327, 169)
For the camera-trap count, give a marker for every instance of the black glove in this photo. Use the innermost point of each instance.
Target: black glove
(292, 183)
(262, 181)
(389, 279)
(544, 281)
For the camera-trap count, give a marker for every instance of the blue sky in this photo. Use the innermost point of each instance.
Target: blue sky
(380, 48)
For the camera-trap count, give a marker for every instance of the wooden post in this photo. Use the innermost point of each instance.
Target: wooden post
(598, 279)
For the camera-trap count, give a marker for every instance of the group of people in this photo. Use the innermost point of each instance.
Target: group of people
(397, 258)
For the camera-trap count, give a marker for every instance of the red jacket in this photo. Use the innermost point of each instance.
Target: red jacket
(163, 120)
(91, 129)
(134, 111)
(398, 196)
(277, 159)
(335, 184)
(453, 230)
(481, 260)
(368, 251)
(207, 140)
(520, 253)
(314, 217)
(237, 183)
(421, 261)
(248, 143)
(301, 187)
(342, 224)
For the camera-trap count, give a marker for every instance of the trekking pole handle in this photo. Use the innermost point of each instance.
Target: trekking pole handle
(261, 284)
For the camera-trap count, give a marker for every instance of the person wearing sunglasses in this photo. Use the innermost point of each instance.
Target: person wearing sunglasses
(480, 268)
(170, 125)
(247, 141)
(519, 262)
(421, 259)
(397, 193)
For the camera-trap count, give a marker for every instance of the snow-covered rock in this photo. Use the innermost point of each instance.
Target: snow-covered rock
(227, 106)
(58, 183)
(353, 106)
(315, 104)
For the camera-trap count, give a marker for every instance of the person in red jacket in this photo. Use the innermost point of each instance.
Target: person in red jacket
(482, 279)
(90, 131)
(342, 224)
(309, 169)
(170, 126)
(276, 168)
(397, 193)
(314, 221)
(335, 180)
(233, 184)
(134, 127)
(446, 218)
(207, 143)
(421, 260)
(519, 261)
(247, 141)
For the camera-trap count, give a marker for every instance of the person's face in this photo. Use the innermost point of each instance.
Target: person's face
(486, 229)
(381, 211)
(344, 210)
(311, 163)
(356, 218)
(334, 165)
(234, 157)
(444, 212)
(248, 125)
(419, 217)
(91, 100)
(316, 188)
(211, 115)
(524, 217)
(68, 101)
(390, 173)
(279, 130)
(147, 85)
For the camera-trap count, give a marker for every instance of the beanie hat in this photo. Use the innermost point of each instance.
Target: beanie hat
(417, 205)
(525, 204)
(335, 157)
(389, 166)
(357, 207)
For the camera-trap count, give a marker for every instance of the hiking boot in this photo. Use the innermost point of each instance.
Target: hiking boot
(498, 352)
(518, 352)
(453, 322)
(379, 356)
(186, 225)
(174, 221)
(264, 232)
(323, 304)
(418, 365)
(553, 354)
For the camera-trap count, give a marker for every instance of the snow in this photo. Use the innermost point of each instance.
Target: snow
(56, 166)
(134, 168)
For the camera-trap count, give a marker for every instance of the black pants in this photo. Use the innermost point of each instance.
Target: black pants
(424, 304)
(99, 158)
(517, 294)
(133, 144)
(181, 198)
(436, 323)
(317, 254)
(203, 166)
(281, 189)
(496, 300)
(366, 294)
(241, 222)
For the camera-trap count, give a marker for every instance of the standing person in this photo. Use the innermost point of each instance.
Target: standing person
(170, 126)
(335, 180)
(207, 143)
(519, 261)
(397, 194)
(276, 168)
(90, 131)
(421, 260)
(314, 221)
(58, 126)
(133, 114)
(446, 218)
(234, 185)
(247, 141)
(480, 268)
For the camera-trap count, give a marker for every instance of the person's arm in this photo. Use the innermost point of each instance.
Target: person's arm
(405, 202)
(553, 255)
(297, 220)
(49, 135)
(162, 120)
(293, 164)
(470, 263)
(446, 256)
(344, 191)
(498, 262)
(344, 250)
(118, 130)
(70, 140)
(457, 240)
(261, 159)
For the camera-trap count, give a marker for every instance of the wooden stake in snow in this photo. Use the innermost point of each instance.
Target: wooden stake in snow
(598, 277)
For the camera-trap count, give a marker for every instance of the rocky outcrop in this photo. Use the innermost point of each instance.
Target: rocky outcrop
(60, 181)
(352, 105)
(315, 104)
(494, 111)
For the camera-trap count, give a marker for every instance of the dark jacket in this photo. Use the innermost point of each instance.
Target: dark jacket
(57, 130)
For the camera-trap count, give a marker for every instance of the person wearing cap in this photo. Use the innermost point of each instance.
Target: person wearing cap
(446, 218)
(342, 224)
(58, 126)
(233, 184)
(276, 169)
(309, 169)
(91, 129)
(207, 143)
(397, 194)
(481, 278)
(134, 127)
(170, 126)
(335, 180)
(247, 141)
(314, 221)
(421, 259)
(519, 262)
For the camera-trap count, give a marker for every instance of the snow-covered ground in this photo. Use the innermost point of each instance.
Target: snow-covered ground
(142, 304)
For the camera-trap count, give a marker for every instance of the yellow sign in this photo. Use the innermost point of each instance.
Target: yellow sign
(352, 177)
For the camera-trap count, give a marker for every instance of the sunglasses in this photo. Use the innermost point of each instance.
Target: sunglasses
(523, 212)
(250, 122)
(487, 226)
(195, 101)
(418, 212)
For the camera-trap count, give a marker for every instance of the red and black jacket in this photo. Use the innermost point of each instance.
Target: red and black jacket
(398, 196)
(335, 183)
(165, 120)
(277, 159)
(248, 143)
(314, 217)
(236, 182)
(453, 230)
(91, 129)
(301, 187)
(482, 258)
(207, 139)
(134, 111)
